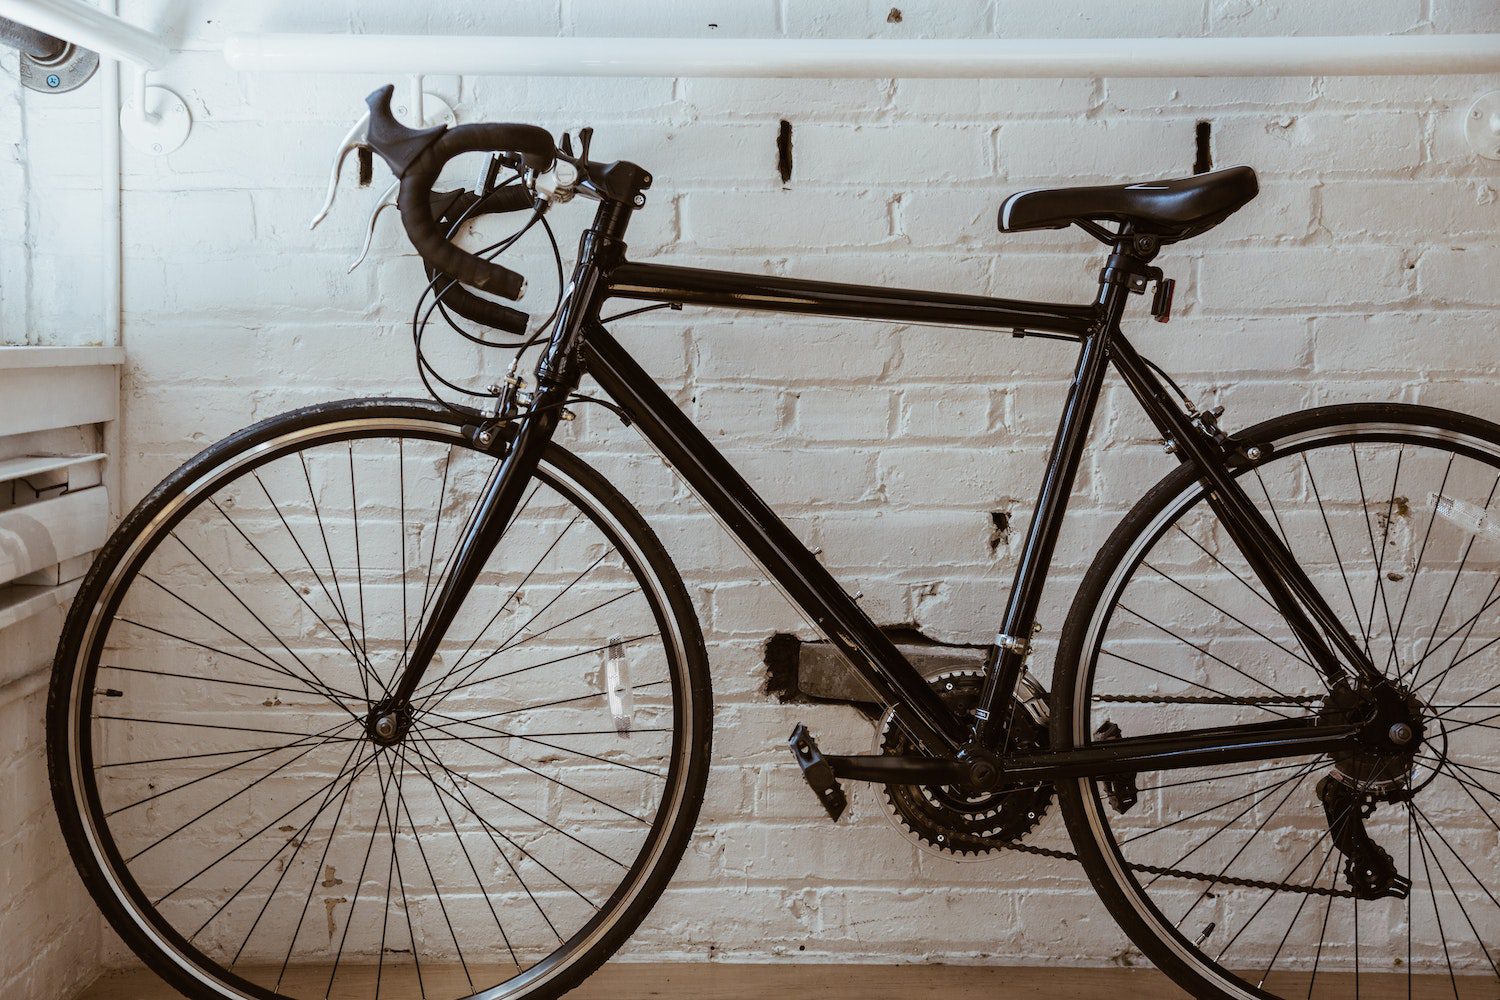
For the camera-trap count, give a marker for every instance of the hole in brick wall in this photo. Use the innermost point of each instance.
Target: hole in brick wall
(813, 672)
(1203, 160)
(784, 151)
(781, 655)
(999, 530)
(894, 17)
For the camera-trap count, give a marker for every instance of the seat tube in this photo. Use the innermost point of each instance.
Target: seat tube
(1013, 643)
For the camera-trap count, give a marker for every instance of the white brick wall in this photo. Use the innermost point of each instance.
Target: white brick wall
(1364, 271)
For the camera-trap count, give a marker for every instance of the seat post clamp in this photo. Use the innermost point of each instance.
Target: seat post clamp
(1014, 644)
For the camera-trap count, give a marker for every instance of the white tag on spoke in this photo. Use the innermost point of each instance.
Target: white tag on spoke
(617, 685)
(1470, 517)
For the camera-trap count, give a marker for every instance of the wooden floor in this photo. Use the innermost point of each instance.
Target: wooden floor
(718, 981)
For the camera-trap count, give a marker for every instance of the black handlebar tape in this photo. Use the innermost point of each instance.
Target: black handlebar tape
(452, 206)
(414, 200)
(475, 308)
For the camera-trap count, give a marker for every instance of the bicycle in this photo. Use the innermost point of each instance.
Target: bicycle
(294, 753)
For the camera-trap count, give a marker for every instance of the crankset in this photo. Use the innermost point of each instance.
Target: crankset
(956, 821)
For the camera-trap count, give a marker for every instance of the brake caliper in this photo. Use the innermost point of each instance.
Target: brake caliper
(1120, 789)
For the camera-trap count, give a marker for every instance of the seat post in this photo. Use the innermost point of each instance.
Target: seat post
(1128, 271)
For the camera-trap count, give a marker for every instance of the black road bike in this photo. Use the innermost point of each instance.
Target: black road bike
(399, 697)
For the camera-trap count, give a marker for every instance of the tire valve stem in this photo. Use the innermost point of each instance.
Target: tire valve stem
(617, 685)
(1206, 932)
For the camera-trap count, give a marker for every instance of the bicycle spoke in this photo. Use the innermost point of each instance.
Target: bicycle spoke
(1332, 542)
(459, 660)
(1218, 805)
(313, 883)
(296, 840)
(333, 573)
(488, 833)
(1378, 555)
(1208, 888)
(311, 675)
(1238, 621)
(431, 877)
(1272, 894)
(430, 596)
(337, 606)
(359, 884)
(1413, 674)
(237, 847)
(1431, 851)
(453, 777)
(1436, 912)
(290, 586)
(226, 769)
(1187, 642)
(210, 680)
(272, 664)
(1393, 659)
(532, 738)
(556, 781)
(544, 663)
(1184, 680)
(1293, 923)
(359, 572)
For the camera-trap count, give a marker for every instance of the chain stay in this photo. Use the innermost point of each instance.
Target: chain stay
(1230, 880)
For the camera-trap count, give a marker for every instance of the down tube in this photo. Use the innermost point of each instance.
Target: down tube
(771, 544)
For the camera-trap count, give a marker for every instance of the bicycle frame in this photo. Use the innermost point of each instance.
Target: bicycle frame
(580, 343)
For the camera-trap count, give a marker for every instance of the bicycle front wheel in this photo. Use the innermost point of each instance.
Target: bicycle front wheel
(1373, 874)
(214, 762)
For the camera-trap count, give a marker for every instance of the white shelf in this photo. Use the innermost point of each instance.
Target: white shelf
(18, 602)
(25, 356)
(47, 532)
(44, 388)
(28, 466)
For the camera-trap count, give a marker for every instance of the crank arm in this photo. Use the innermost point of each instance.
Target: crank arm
(900, 770)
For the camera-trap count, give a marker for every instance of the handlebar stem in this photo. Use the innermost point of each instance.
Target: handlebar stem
(600, 250)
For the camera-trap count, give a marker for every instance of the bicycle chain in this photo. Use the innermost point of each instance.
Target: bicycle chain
(1187, 699)
(1158, 870)
(1245, 883)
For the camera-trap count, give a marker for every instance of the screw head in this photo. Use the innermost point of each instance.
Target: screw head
(1400, 734)
(385, 726)
(1253, 453)
(53, 80)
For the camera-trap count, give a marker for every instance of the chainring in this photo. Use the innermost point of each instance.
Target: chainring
(950, 821)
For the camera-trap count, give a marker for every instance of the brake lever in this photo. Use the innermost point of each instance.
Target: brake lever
(387, 200)
(358, 138)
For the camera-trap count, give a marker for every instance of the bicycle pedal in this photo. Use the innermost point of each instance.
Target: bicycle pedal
(1119, 789)
(817, 772)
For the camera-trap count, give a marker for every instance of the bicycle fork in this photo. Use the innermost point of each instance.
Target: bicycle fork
(557, 377)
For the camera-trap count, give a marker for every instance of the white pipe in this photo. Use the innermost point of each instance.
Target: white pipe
(418, 117)
(109, 196)
(879, 58)
(90, 28)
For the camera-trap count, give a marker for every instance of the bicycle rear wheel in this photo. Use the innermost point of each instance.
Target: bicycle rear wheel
(1251, 880)
(212, 752)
